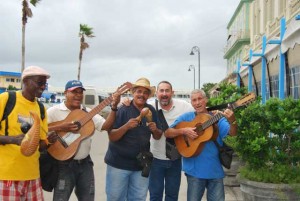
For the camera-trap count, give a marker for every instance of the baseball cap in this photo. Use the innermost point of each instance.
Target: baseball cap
(73, 84)
(34, 71)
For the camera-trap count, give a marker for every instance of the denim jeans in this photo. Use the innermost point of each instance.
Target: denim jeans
(75, 174)
(125, 185)
(196, 188)
(164, 174)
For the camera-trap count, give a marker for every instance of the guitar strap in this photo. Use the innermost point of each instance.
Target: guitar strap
(163, 122)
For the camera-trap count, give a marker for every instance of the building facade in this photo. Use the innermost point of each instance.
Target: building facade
(269, 64)
(7, 79)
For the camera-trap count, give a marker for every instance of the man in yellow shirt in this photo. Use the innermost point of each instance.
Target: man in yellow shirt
(19, 174)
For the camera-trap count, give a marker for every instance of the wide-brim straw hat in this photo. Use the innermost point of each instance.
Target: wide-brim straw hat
(144, 82)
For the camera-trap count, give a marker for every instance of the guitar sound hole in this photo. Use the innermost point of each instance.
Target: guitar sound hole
(78, 125)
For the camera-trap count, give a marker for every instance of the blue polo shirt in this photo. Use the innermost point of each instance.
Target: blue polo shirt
(122, 153)
(206, 165)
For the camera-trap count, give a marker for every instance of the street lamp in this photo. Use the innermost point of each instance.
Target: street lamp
(197, 49)
(190, 68)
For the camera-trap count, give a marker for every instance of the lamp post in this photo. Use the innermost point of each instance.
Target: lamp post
(190, 68)
(197, 49)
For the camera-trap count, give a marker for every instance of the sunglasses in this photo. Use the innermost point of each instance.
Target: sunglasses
(40, 83)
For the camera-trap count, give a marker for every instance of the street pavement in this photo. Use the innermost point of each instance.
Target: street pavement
(99, 147)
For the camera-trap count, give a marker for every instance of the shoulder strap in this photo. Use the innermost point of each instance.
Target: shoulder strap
(10, 104)
(163, 121)
(42, 110)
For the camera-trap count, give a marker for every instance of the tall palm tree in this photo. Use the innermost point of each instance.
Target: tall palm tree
(26, 12)
(85, 31)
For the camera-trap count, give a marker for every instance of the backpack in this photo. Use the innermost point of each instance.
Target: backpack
(10, 104)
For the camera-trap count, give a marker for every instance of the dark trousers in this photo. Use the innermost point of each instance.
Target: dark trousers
(78, 174)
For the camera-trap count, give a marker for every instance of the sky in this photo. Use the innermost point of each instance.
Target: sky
(133, 39)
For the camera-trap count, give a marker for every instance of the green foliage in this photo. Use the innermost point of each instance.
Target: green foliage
(227, 93)
(34, 2)
(269, 141)
(11, 88)
(85, 30)
(277, 173)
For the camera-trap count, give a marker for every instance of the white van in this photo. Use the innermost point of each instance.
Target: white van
(91, 99)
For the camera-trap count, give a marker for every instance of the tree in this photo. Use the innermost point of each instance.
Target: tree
(26, 12)
(85, 31)
(11, 88)
(207, 86)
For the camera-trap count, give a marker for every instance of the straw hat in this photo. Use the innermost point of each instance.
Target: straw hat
(144, 82)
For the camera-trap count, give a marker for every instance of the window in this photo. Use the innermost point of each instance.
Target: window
(275, 85)
(90, 99)
(295, 82)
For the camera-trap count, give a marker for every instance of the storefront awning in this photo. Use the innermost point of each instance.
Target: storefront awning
(291, 36)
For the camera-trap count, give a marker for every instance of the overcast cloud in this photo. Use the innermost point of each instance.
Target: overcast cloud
(134, 38)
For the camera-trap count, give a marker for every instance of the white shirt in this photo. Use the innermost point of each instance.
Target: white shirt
(59, 113)
(158, 147)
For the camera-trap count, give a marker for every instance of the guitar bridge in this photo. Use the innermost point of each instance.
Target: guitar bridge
(186, 141)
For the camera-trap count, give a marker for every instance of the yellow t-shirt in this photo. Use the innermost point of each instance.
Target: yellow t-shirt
(13, 164)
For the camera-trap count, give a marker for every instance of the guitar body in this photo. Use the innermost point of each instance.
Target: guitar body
(188, 147)
(57, 150)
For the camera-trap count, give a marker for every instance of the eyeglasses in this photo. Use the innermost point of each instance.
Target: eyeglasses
(40, 83)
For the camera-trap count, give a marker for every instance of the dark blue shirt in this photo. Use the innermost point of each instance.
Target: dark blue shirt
(122, 153)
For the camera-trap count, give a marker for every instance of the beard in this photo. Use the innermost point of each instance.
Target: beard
(165, 101)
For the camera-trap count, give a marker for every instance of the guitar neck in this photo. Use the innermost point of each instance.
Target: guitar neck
(211, 121)
(95, 110)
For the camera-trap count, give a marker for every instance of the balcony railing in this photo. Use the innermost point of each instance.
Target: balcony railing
(239, 35)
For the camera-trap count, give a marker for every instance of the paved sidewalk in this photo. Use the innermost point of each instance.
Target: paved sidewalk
(99, 147)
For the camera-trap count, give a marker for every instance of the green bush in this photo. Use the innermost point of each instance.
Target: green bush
(268, 141)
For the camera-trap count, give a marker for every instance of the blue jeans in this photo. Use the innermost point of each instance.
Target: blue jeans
(125, 185)
(75, 174)
(196, 188)
(164, 174)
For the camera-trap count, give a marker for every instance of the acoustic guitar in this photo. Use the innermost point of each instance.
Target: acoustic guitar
(188, 147)
(68, 142)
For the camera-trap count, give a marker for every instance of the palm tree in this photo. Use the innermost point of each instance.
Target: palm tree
(85, 31)
(26, 12)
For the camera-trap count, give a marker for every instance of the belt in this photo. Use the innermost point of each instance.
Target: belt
(80, 161)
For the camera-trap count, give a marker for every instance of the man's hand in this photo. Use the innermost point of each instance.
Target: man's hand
(229, 114)
(17, 139)
(116, 100)
(52, 137)
(152, 126)
(132, 123)
(190, 132)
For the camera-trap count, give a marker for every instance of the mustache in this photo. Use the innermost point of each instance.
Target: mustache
(142, 97)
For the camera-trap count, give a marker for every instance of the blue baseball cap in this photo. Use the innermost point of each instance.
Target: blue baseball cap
(73, 84)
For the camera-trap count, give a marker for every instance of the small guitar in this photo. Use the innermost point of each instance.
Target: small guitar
(203, 122)
(67, 144)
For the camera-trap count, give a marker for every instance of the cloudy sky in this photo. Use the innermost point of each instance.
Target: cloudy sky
(134, 38)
